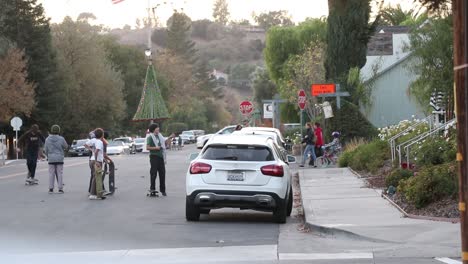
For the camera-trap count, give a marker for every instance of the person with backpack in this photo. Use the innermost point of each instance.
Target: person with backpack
(309, 140)
(54, 148)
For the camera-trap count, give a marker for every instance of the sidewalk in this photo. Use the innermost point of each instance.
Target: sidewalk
(337, 202)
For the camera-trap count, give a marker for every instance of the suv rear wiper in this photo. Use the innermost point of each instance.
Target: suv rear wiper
(228, 158)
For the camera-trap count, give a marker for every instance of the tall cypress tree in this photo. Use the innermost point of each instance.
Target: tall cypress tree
(24, 22)
(178, 36)
(348, 34)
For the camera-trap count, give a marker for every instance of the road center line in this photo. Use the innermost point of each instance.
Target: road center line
(324, 256)
(448, 260)
(41, 170)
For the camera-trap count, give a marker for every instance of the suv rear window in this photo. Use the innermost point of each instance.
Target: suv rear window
(238, 152)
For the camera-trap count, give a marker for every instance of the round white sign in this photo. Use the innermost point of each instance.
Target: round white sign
(16, 123)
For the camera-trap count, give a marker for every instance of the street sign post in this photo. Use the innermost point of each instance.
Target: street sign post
(268, 110)
(246, 108)
(16, 123)
(2, 147)
(301, 102)
(329, 90)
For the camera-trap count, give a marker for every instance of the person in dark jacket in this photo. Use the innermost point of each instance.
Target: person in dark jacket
(309, 139)
(54, 148)
(33, 141)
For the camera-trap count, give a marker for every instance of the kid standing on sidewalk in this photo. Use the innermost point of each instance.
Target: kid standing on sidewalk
(54, 148)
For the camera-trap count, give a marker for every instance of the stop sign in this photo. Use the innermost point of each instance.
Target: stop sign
(301, 99)
(246, 107)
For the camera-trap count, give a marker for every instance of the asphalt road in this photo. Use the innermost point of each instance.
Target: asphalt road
(129, 227)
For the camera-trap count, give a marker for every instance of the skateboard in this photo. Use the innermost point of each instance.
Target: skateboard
(30, 182)
(111, 177)
(152, 193)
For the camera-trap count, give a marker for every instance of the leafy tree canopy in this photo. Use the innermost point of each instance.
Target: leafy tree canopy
(273, 18)
(221, 12)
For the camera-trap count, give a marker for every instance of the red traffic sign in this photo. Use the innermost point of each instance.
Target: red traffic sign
(246, 107)
(301, 99)
(318, 89)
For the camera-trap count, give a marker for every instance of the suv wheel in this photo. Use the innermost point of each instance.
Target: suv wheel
(280, 213)
(192, 213)
(290, 201)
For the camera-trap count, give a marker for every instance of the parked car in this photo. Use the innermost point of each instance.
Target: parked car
(128, 143)
(271, 134)
(140, 144)
(188, 137)
(77, 148)
(198, 133)
(239, 171)
(116, 147)
(291, 126)
(201, 140)
(266, 129)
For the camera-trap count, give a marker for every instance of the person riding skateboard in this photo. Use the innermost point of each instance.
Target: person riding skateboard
(33, 141)
(156, 143)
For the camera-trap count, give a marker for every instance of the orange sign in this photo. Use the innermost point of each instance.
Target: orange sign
(318, 89)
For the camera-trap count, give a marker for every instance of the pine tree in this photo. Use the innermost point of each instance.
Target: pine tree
(348, 34)
(178, 37)
(221, 12)
(206, 81)
(24, 23)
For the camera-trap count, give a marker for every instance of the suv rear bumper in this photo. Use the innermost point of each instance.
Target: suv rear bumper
(235, 199)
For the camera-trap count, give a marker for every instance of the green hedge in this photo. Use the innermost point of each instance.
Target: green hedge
(367, 157)
(430, 184)
(397, 176)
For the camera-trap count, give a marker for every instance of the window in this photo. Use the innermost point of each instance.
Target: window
(238, 153)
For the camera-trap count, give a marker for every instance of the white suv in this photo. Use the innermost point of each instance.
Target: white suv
(239, 171)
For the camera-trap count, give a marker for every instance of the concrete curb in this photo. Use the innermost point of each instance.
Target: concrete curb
(332, 230)
(421, 217)
(412, 216)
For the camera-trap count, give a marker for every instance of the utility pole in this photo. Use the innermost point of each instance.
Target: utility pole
(460, 26)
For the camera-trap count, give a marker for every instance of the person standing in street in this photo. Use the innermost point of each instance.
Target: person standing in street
(33, 141)
(156, 144)
(90, 145)
(98, 165)
(319, 139)
(54, 148)
(309, 140)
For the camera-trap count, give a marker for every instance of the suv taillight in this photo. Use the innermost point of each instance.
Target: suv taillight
(199, 168)
(273, 170)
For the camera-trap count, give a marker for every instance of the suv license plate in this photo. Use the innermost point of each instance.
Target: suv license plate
(235, 176)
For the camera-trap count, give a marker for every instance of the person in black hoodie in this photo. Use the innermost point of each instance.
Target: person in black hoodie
(33, 141)
(309, 139)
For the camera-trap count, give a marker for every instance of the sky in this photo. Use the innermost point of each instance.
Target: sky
(126, 12)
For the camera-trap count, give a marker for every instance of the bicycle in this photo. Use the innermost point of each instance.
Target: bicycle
(329, 157)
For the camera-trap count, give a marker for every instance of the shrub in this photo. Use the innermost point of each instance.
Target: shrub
(176, 127)
(396, 176)
(344, 159)
(430, 184)
(434, 151)
(370, 157)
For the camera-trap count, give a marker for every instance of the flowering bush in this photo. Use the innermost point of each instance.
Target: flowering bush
(388, 132)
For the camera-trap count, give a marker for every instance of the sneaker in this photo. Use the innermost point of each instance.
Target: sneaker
(164, 193)
(51, 191)
(61, 192)
(92, 197)
(34, 180)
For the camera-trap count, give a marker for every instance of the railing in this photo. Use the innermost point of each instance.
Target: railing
(392, 140)
(445, 126)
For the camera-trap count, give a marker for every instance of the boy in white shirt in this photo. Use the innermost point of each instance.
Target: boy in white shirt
(98, 156)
